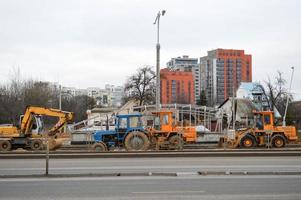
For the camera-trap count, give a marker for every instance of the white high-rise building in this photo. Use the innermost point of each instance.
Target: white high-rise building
(116, 94)
(187, 64)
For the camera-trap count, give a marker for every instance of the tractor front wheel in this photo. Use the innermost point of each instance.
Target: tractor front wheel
(176, 142)
(136, 141)
(278, 141)
(100, 147)
(247, 141)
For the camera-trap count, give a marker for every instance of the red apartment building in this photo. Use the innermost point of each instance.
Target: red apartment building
(177, 87)
(222, 71)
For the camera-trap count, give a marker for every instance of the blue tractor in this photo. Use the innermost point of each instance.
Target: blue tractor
(128, 133)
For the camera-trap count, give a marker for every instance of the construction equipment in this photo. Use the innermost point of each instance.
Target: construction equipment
(165, 133)
(263, 133)
(128, 133)
(198, 124)
(23, 136)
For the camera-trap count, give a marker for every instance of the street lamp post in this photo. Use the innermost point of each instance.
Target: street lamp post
(288, 96)
(157, 21)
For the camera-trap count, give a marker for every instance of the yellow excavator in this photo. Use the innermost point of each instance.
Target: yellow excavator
(29, 133)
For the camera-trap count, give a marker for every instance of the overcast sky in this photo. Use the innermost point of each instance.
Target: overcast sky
(88, 43)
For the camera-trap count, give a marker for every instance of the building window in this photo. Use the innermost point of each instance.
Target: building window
(173, 90)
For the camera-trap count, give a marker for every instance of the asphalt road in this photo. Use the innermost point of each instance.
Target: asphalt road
(201, 187)
(119, 165)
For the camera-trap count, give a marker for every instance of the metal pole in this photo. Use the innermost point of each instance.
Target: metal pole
(60, 98)
(47, 157)
(158, 65)
(195, 114)
(190, 115)
(158, 60)
(158, 89)
(182, 120)
(205, 120)
(233, 111)
(289, 92)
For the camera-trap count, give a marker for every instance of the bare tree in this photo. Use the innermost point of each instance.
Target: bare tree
(141, 86)
(79, 105)
(19, 93)
(277, 93)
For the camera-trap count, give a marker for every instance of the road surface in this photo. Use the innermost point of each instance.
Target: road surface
(119, 165)
(200, 187)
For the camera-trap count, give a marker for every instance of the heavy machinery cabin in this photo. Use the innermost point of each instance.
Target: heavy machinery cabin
(164, 131)
(263, 133)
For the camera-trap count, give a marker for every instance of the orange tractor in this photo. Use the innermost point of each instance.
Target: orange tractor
(263, 133)
(166, 134)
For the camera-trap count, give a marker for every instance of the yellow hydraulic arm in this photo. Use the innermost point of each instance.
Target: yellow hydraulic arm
(26, 124)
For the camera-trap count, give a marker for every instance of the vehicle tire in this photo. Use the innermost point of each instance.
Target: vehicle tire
(5, 145)
(136, 141)
(100, 147)
(176, 142)
(278, 141)
(36, 145)
(247, 141)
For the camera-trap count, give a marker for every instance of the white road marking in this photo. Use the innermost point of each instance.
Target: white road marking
(168, 192)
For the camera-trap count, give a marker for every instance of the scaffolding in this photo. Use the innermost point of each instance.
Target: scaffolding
(191, 115)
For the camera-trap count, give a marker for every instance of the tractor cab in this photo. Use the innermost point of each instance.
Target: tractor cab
(163, 121)
(128, 132)
(264, 120)
(164, 132)
(126, 123)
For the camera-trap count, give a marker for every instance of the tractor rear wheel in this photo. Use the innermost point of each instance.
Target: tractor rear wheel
(36, 145)
(100, 147)
(278, 141)
(247, 141)
(136, 141)
(176, 142)
(5, 145)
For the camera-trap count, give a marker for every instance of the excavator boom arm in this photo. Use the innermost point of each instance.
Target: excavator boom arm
(26, 123)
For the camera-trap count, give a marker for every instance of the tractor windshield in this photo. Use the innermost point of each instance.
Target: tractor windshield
(165, 119)
(157, 124)
(259, 123)
(267, 119)
(122, 123)
(135, 122)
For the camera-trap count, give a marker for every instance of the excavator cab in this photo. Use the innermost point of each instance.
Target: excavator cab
(37, 124)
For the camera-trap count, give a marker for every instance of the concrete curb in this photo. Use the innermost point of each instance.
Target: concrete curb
(204, 173)
(151, 154)
(166, 174)
(123, 174)
(79, 151)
